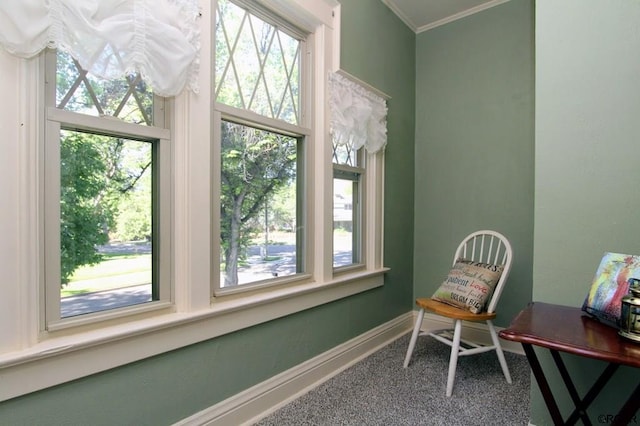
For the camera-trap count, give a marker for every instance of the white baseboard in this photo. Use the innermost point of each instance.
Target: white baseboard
(264, 398)
(474, 331)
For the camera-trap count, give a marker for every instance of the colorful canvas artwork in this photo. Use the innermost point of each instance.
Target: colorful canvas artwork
(610, 284)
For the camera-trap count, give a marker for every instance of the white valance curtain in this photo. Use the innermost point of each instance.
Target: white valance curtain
(358, 116)
(111, 38)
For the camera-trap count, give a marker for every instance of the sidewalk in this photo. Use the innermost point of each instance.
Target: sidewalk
(257, 269)
(104, 300)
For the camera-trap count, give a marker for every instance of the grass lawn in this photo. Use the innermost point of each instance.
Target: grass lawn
(115, 271)
(131, 269)
(275, 238)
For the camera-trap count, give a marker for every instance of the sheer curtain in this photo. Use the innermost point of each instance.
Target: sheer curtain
(110, 38)
(358, 116)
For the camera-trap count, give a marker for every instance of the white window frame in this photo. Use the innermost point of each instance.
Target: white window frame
(31, 360)
(359, 202)
(303, 130)
(57, 119)
(221, 113)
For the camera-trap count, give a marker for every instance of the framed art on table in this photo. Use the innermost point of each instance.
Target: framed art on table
(610, 284)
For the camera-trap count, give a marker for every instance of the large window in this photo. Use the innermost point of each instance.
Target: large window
(145, 224)
(103, 195)
(262, 136)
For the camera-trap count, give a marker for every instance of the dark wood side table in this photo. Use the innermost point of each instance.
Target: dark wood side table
(568, 329)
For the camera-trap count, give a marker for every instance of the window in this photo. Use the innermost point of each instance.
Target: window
(154, 179)
(104, 195)
(259, 92)
(358, 137)
(348, 192)
(348, 189)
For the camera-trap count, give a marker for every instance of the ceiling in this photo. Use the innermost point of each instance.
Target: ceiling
(422, 15)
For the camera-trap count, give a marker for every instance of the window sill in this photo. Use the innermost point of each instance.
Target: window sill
(61, 359)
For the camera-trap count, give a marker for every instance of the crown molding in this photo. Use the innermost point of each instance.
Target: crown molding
(460, 15)
(400, 14)
(419, 29)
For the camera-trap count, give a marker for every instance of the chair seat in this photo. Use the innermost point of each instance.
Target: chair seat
(451, 311)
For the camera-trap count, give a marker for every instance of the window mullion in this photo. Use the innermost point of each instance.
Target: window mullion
(215, 195)
(374, 211)
(265, 123)
(357, 241)
(51, 189)
(163, 218)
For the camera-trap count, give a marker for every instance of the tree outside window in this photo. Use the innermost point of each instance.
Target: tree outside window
(258, 71)
(106, 209)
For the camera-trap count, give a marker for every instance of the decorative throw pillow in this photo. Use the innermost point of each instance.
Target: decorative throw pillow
(469, 285)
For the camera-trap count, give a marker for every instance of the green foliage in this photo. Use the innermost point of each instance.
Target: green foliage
(96, 96)
(101, 177)
(257, 68)
(82, 223)
(134, 220)
(255, 164)
(133, 185)
(283, 208)
(104, 180)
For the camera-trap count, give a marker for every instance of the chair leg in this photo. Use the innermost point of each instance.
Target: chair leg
(496, 343)
(453, 361)
(414, 337)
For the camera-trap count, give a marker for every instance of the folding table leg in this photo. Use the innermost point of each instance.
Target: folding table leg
(583, 404)
(628, 409)
(552, 406)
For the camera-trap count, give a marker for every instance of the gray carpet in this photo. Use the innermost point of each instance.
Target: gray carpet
(378, 391)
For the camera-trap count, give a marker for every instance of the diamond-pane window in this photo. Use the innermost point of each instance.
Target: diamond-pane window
(105, 196)
(129, 98)
(257, 65)
(262, 146)
(344, 154)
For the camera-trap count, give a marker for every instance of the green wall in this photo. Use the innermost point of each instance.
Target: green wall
(587, 174)
(171, 386)
(386, 60)
(475, 145)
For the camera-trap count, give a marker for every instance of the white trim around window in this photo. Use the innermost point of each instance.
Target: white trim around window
(29, 360)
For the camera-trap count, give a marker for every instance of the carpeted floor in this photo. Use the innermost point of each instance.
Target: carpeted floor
(378, 391)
